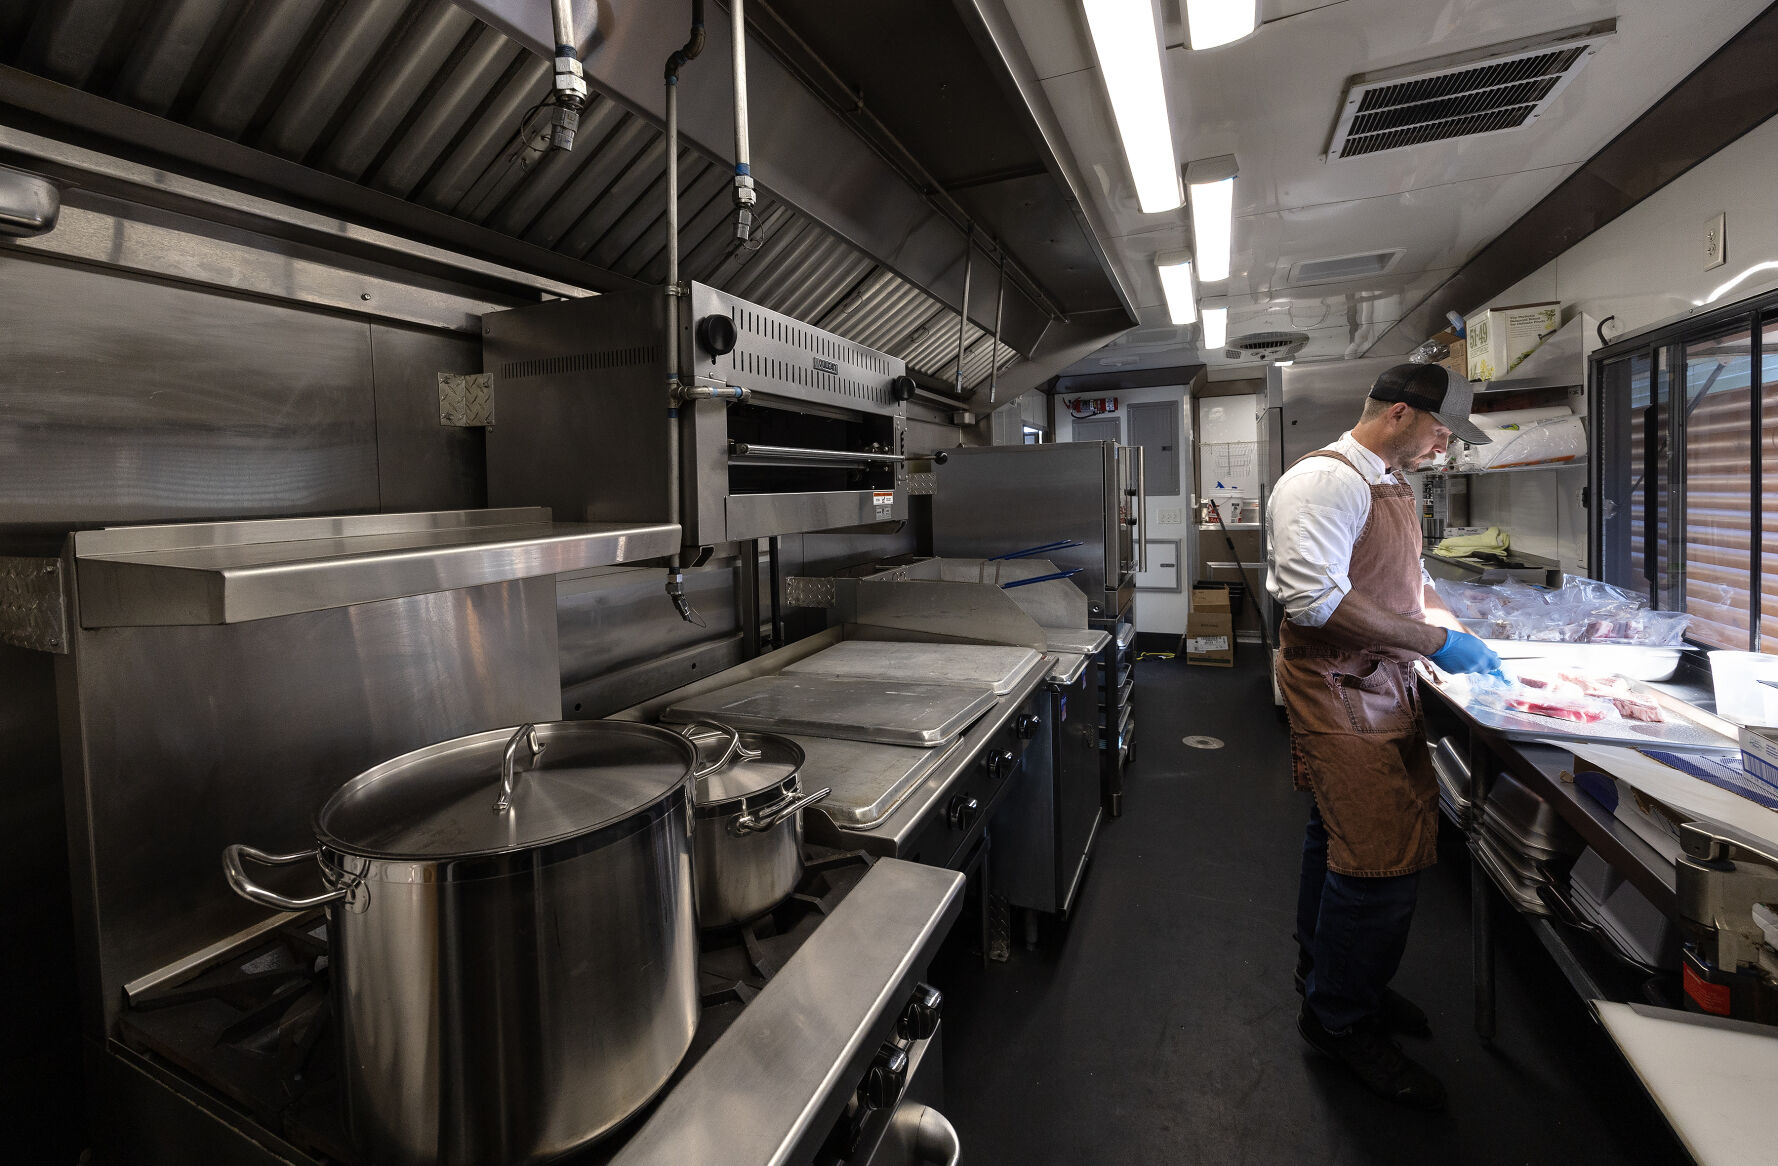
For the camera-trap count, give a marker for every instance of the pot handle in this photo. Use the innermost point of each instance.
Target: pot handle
(253, 892)
(735, 748)
(508, 764)
(772, 815)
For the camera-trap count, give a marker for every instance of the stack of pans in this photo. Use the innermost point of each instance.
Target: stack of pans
(1522, 843)
(1624, 918)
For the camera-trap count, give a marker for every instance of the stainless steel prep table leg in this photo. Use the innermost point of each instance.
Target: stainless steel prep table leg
(1481, 890)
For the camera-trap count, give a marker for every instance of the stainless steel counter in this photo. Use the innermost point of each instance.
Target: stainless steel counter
(746, 1103)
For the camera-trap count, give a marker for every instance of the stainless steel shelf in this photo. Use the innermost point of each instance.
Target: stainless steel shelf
(232, 572)
(1579, 463)
(1560, 362)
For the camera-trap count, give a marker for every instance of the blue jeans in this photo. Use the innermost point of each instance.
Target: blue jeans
(1350, 933)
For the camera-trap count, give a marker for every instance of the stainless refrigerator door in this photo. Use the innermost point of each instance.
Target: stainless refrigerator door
(1322, 401)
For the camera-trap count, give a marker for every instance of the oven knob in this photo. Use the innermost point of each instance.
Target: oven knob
(902, 388)
(963, 811)
(717, 335)
(919, 1020)
(884, 1080)
(999, 762)
(1026, 726)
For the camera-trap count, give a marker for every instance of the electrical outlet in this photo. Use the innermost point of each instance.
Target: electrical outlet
(1716, 251)
(1170, 517)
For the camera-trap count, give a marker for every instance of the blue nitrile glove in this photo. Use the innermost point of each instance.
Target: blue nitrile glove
(1465, 653)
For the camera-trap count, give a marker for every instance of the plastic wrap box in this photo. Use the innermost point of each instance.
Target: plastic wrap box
(1500, 338)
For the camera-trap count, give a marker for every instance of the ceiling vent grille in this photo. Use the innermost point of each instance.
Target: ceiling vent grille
(1271, 345)
(1343, 267)
(1487, 91)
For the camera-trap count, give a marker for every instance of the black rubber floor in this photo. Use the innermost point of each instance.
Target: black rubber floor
(1159, 1024)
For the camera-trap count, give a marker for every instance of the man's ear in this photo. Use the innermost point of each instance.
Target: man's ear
(1398, 412)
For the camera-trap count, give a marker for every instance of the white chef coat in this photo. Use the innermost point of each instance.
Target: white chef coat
(1316, 514)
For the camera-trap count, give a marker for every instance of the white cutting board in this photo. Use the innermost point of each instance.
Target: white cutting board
(1714, 1079)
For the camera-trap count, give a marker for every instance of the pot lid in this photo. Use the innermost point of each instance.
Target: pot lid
(438, 802)
(762, 763)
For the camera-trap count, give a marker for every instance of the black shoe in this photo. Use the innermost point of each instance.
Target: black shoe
(1399, 1015)
(1376, 1061)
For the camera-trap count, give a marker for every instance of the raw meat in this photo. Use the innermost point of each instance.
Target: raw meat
(1559, 710)
(1633, 707)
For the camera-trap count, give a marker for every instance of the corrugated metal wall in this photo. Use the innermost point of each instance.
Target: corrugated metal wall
(418, 99)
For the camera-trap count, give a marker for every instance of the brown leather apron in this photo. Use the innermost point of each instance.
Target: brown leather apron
(1356, 736)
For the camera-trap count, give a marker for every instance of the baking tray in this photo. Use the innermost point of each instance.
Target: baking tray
(868, 781)
(1000, 668)
(1677, 732)
(840, 706)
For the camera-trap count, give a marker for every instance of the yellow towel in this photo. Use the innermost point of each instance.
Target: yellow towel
(1460, 546)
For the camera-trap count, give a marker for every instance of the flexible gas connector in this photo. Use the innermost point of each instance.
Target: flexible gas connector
(676, 592)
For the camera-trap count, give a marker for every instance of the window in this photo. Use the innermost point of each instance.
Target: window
(1687, 421)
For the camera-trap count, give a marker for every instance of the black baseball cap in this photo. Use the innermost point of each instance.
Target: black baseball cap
(1432, 389)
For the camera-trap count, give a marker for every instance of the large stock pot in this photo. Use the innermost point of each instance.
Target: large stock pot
(513, 953)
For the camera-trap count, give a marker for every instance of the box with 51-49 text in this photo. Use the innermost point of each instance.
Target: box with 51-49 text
(1210, 627)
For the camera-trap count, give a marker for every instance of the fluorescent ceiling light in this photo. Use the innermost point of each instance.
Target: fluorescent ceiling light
(1284, 363)
(1216, 328)
(1217, 22)
(1176, 282)
(1213, 227)
(1130, 61)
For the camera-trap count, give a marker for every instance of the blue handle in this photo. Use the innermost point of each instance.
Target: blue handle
(1043, 578)
(1029, 552)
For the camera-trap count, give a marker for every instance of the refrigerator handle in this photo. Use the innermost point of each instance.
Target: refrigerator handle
(1141, 510)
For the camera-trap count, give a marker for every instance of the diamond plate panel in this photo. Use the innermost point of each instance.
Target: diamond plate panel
(809, 591)
(33, 612)
(465, 399)
(922, 484)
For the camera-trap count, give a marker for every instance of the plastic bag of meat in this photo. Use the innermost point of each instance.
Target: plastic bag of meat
(1579, 711)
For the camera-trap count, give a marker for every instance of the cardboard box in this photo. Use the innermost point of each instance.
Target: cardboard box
(1210, 627)
(1499, 338)
(1759, 753)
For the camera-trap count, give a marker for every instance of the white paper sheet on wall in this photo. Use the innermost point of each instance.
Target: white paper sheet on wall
(1230, 469)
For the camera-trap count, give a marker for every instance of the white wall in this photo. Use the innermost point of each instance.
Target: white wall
(1156, 611)
(1647, 265)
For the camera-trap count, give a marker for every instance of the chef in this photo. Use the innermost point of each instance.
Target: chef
(1360, 611)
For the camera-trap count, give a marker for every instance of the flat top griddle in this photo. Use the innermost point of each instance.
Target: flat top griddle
(868, 781)
(880, 711)
(997, 667)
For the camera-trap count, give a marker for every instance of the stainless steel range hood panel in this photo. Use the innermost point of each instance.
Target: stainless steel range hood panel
(233, 572)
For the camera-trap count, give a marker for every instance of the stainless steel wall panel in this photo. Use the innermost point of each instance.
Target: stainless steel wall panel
(175, 403)
(356, 36)
(396, 87)
(613, 621)
(355, 686)
(421, 464)
(261, 47)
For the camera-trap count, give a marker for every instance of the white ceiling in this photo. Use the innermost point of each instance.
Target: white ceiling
(1271, 100)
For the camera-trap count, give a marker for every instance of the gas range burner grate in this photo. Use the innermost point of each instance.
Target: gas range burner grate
(258, 1027)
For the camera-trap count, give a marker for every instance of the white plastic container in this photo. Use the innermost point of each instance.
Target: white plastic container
(1740, 695)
